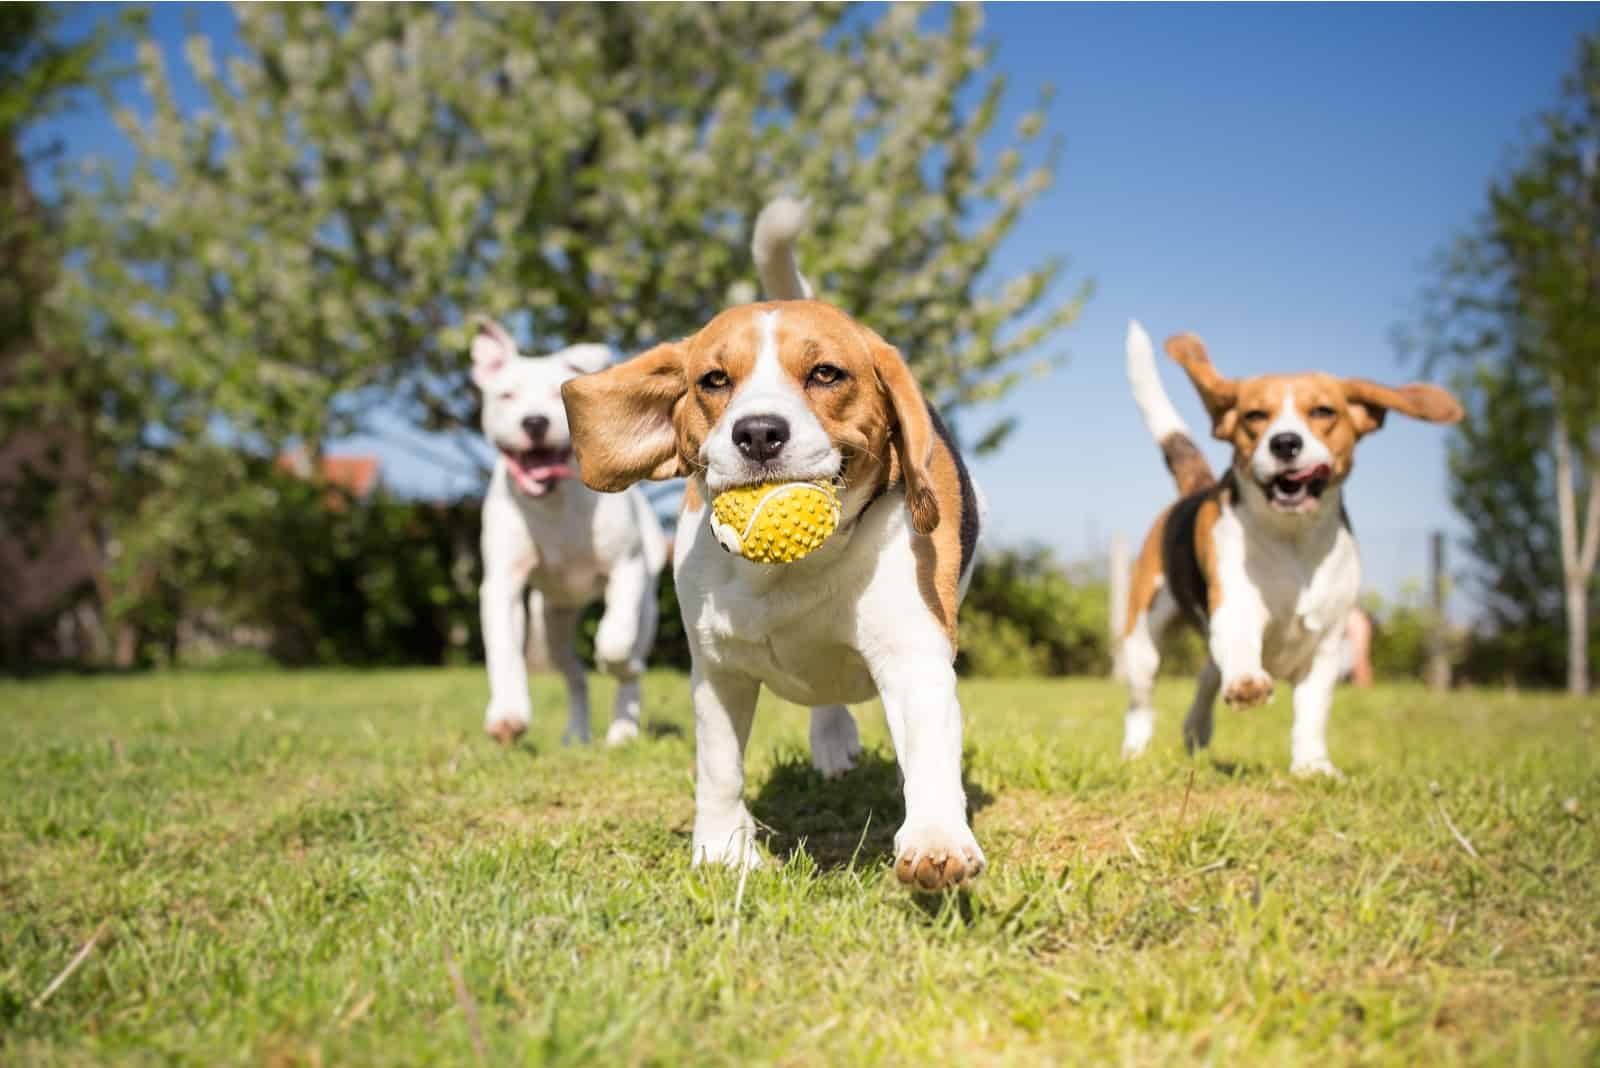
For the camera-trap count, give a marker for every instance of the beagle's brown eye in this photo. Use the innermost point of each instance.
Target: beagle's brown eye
(713, 381)
(1322, 411)
(1255, 417)
(824, 374)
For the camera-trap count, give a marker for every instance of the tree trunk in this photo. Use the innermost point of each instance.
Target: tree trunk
(1577, 565)
(1577, 638)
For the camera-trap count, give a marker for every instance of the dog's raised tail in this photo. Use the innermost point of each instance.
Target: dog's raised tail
(772, 247)
(1184, 459)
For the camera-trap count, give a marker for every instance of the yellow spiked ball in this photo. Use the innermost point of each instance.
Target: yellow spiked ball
(775, 522)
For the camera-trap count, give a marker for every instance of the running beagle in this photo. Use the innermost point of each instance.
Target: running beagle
(1262, 561)
(797, 390)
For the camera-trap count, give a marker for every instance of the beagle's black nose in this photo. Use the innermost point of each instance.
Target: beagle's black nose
(1286, 446)
(536, 427)
(761, 437)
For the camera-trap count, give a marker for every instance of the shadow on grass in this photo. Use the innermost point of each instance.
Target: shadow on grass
(837, 821)
(658, 729)
(1241, 769)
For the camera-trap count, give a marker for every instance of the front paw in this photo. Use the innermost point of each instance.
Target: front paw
(1319, 768)
(731, 844)
(505, 729)
(1247, 691)
(622, 732)
(931, 857)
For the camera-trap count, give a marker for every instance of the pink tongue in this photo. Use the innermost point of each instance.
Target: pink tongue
(1306, 476)
(536, 481)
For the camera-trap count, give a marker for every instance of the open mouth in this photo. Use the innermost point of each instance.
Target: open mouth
(536, 471)
(1297, 491)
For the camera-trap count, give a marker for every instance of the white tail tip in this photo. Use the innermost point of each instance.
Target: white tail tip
(1160, 416)
(772, 248)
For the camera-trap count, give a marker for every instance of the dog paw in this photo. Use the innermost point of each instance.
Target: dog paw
(505, 731)
(1137, 731)
(733, 846)
(930, 858)
(1247, 691)
(1321, 768)
(622, 732)
(835, 742)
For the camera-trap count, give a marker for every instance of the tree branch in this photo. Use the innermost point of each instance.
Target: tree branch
(1591, 529)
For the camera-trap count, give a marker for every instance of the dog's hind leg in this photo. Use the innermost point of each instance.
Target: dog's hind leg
(835, 742)
(561, 641)
(1197, 724)
(1141, 660)
(622, 643)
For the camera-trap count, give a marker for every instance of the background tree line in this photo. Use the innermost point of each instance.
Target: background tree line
(298, 255)
(1515, 314)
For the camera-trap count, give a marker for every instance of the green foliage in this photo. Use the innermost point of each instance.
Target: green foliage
(363, 178)
(286, 862)
(1516, 310)
(1028, 614)
(1403, 629)
(306, 248)
(241, 553)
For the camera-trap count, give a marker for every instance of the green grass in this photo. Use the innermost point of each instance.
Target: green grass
(283, 861)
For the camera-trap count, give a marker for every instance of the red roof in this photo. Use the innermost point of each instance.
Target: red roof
(358, 475)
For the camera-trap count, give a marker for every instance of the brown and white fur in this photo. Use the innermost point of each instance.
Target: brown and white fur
(796, 390)
(1262, 561)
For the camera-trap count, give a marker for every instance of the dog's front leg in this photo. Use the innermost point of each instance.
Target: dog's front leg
(504, 631)
(1236, 630)
(724, 706)
(561, 643)
(934, 848)
(623, 640)
(1313, 699)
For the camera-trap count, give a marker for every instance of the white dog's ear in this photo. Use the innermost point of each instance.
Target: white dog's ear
(492, 349)
(586, 359)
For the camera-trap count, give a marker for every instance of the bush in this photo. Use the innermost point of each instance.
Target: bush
(1026, 613)
(240, 554)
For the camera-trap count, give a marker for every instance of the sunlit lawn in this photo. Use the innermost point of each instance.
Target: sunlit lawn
(286, 866)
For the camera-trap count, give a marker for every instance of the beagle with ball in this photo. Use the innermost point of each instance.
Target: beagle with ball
(1263, 560)
(796, 390)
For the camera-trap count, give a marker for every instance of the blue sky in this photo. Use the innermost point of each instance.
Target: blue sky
(1274, 178)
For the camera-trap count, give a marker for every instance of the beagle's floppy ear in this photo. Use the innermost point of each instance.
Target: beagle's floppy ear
(1217, 393)
(911, 436)
(622, 419)
(1369, 402)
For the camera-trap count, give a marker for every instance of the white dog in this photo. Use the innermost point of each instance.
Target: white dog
(545, 533)
(1263, 561)
(797, 390)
